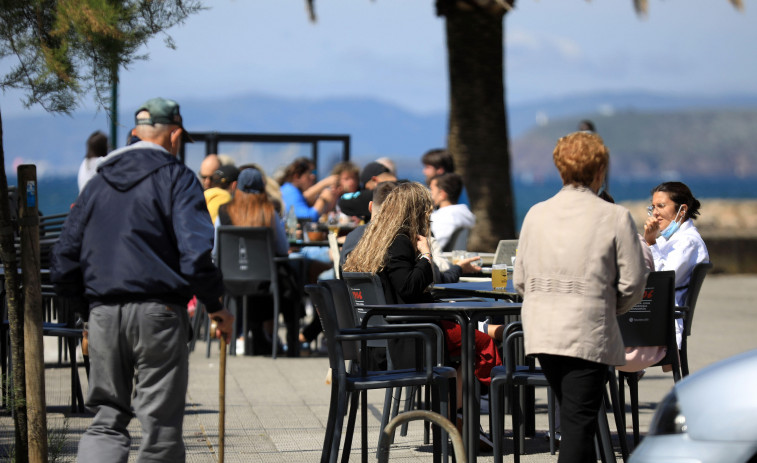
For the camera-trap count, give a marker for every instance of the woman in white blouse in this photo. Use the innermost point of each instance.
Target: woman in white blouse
(672, 237)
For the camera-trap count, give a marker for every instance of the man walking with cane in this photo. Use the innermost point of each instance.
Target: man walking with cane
(137, 244)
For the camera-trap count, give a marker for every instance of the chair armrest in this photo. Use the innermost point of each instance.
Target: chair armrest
(396, 319)
(409, 318)
(61, 331)
(435, 329)
(370, 334)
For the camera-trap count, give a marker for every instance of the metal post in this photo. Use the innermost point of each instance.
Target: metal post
(114, 108)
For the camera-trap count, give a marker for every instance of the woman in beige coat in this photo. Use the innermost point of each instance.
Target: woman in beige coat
(579, 266)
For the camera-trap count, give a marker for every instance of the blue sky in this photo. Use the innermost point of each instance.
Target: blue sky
(394, 50)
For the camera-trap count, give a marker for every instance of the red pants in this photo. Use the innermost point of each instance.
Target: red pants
(487, 355)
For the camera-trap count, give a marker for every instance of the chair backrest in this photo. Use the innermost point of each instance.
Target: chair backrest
(323, 303)
(695, 284)
(505, 250)
(334, 253)
(345, 315)
(512, 344)
(650, 322)
(52, 225)
(245, 257)
(364, 288)
(458, 240)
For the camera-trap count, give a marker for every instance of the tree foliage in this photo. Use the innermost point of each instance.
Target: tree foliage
(65, 49)
(60, 51)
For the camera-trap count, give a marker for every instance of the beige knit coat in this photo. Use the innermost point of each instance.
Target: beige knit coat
(579, 265)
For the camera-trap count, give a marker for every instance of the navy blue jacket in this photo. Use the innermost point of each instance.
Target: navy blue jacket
(139, 231)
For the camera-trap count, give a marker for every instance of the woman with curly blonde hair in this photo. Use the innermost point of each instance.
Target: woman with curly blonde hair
(395, 246)
(401, 225)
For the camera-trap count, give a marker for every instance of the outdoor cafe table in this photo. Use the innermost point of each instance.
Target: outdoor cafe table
(483, 289)
(467, 314)
(304, 243)
(475, 289)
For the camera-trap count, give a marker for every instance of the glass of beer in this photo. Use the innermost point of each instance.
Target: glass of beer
(333, 223)
(499, 277)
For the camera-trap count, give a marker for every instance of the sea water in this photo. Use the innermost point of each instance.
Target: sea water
(57, 194)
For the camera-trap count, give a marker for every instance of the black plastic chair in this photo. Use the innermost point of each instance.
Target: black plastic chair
(366, 288)
(66, 332)
(507, 381)
(246, 259)
(649, 323)
(687, 310)
(345, 384)
(348, 317)
(515, 378)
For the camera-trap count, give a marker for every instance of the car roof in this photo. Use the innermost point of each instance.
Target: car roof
(719, 401)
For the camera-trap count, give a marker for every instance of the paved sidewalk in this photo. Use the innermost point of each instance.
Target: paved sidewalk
(276, 410)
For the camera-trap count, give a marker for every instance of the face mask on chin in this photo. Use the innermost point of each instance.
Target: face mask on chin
(673, 226)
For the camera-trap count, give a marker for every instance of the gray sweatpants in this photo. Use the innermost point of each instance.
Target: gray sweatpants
(147, 340)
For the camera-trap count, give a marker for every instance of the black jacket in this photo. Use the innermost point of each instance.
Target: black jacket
(139, 231)
(406, 276)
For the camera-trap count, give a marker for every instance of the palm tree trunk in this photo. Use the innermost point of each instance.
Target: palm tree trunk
(478, 137)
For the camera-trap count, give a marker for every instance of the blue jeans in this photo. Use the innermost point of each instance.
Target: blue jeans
(146, 341)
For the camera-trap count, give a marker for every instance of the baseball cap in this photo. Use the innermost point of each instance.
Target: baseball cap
(251, 181)
(371, 170)
(225, 175)
(162, 111)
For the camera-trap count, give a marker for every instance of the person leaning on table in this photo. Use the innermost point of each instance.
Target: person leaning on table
(579, 266)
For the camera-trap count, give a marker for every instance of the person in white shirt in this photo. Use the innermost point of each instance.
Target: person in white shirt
(672, 237)
(97, 149)
(445, 191)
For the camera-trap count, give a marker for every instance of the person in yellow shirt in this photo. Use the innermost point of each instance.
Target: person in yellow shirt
(223, 183)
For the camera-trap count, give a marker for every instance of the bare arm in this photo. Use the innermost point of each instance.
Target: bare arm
(311, 194)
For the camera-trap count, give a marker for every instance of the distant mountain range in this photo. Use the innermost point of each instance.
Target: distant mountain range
(647, 133)
(665, 145)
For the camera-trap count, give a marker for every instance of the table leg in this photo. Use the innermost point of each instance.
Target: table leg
(473, 408)
(470, 428)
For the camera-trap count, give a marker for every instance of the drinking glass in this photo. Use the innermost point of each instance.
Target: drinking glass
(499, 277)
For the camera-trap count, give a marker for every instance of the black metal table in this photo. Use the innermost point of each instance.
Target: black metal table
(466, 314)
(475, 289)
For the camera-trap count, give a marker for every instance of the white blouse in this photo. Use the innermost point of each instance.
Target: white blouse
(681, 253)
(87, 170)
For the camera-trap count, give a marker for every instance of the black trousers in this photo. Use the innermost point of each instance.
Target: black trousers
(578, 385)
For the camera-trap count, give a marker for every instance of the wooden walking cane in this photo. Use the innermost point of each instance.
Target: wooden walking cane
(221, 392)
